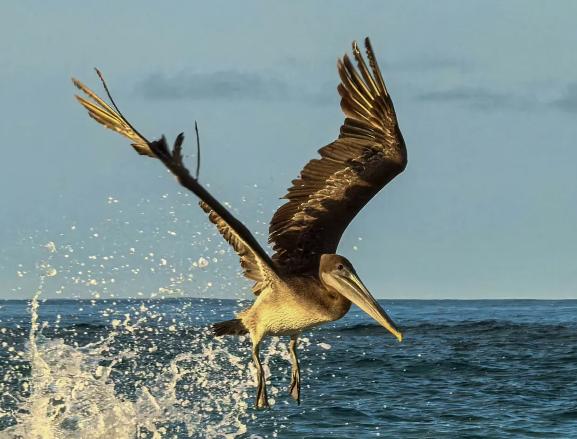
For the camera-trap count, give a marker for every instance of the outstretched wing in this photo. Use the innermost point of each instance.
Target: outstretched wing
(253, 266)
(330, 191)
(104, 114)
(255, 261)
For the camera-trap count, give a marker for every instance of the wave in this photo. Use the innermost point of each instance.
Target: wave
(567, 415)
(477, 326)
(360, 329)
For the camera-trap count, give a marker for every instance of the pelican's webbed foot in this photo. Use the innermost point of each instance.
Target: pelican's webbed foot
(295, 387)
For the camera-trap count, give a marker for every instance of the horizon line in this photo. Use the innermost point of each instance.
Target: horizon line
(250, 299)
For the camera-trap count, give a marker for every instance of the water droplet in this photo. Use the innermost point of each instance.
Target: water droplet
(50, 246)
(202, 262)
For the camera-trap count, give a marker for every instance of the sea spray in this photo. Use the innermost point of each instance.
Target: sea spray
(74, 391)
(70, 395)
(77, 392)
(109, 387)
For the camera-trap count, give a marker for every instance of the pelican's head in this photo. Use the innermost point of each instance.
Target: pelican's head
(338, 274)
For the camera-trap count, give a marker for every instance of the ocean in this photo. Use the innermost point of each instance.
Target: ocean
(151, 369)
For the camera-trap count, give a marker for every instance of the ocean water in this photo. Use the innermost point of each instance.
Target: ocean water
(151, 369)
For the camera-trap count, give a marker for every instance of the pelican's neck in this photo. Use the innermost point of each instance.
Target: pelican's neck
(337, 304)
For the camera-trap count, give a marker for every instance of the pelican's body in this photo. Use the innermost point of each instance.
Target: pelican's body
(293, 305)
(305, 283)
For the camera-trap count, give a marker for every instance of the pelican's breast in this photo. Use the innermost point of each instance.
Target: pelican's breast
(295, 305)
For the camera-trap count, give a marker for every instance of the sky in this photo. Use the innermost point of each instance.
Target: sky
(485, 94)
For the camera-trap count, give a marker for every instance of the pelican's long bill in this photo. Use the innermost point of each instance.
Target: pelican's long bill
(354, 290)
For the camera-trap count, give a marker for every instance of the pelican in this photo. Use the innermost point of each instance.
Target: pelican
(305, 283)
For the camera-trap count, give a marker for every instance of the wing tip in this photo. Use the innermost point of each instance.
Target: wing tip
(355, 46)
(79, 85)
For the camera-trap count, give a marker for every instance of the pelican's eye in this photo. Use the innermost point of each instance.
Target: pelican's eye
(340, 267)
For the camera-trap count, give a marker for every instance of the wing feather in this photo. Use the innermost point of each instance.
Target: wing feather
(104, 114)
(253, 266)
(330, 191)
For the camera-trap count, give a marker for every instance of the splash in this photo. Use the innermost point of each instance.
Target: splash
(110, 388)
(73, 391)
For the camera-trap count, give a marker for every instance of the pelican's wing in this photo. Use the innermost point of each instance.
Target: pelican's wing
(330, 191)
(103, 113)
(255, 261)
(253, 266)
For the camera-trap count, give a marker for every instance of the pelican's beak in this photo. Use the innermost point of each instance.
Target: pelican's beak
(354, 290)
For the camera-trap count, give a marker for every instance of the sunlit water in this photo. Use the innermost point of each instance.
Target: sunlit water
(150, 369)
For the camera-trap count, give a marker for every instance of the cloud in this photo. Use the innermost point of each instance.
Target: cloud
(215, 85)
(485, 99)
(568, 102)
(234, 85)
(478, 98)
(247, 85)
(237, 85)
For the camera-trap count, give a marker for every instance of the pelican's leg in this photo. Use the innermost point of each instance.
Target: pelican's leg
(261, 398)
(295, 388)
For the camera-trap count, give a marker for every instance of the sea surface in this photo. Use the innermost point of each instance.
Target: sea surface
(151, 369)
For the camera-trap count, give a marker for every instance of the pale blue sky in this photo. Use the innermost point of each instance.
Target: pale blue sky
(485, 92)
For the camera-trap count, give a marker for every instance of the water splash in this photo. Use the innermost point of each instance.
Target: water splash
(101, 389)
(73, 391)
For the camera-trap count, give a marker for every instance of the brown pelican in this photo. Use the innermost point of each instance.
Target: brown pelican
(304, 284)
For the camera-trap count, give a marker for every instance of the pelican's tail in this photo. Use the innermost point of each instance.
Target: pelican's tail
(229, 327)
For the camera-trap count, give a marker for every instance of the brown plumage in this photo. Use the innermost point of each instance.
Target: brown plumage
(330, 191)
(305, 283)
(254, 267)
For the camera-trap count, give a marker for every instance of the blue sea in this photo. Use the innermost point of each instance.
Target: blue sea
(151, 369)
